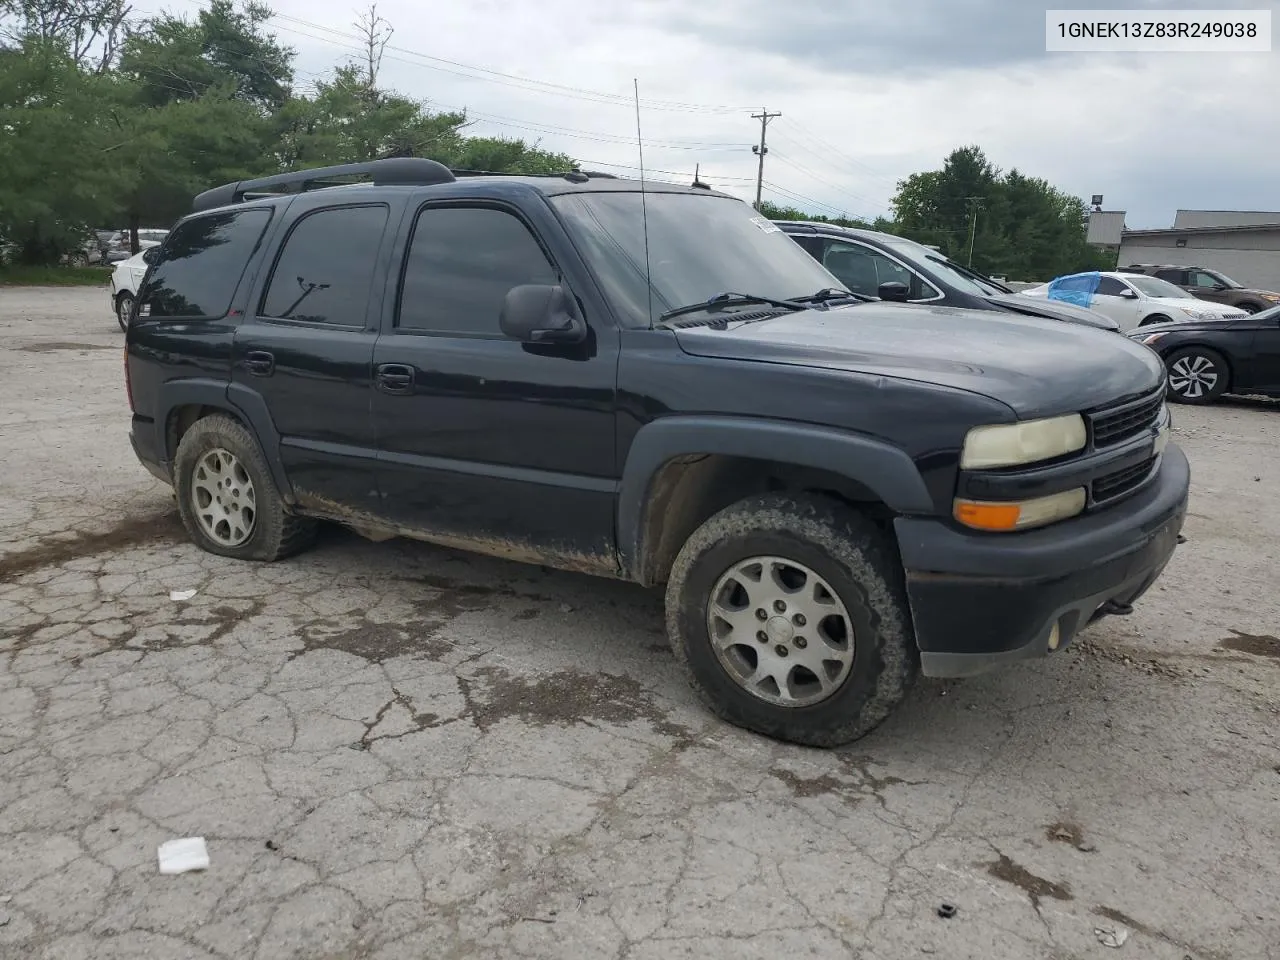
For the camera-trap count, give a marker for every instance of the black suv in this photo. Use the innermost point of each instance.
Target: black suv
(650, 382)
(895, 269)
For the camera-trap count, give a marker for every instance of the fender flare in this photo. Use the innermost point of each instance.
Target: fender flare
(884, 469)
(240, 401)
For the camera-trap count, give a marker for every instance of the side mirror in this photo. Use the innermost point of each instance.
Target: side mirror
(541, 313)
(1128, 294)
(894, 290)
(1220, 287)
(150, 255)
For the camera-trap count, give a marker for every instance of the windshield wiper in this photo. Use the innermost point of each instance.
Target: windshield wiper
(833, 293)
(728, 299)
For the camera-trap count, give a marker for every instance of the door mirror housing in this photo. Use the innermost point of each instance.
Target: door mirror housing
(541, 313)
(1128, 294)
(150, 255)
(893, 290)
(1220, 287)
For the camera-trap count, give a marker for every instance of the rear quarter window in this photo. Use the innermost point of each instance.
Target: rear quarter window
(201, 263)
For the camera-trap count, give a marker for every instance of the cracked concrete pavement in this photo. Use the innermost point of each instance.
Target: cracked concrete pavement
(400, 751)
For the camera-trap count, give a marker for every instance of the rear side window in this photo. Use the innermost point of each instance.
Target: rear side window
(325, 270)
(462, 262)
(1178, 277)
(201, 264)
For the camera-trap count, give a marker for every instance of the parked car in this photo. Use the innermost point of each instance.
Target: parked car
(126, 278)
(1207, 358)
(119, 246)
(885, 267)
(1210, 285)
(658, 387)
(1132, 300)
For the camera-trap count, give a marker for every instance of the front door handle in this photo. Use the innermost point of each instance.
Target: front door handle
(260, 363)
(395, 378)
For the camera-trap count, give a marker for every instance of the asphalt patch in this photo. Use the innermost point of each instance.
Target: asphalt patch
(163, 527)
(53, 346)
(1037, 888)
(1258, 645)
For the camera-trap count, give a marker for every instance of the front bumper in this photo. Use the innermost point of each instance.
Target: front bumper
(983, 600)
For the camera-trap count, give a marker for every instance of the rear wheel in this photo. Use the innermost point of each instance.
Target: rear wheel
(789, 617)
(124, 308)
(227, 498)
(1197, 375)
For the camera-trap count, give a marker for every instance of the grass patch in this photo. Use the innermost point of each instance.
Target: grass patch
(20, 276)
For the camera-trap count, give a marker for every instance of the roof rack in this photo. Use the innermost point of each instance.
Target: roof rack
(573, 176)
(416, 171)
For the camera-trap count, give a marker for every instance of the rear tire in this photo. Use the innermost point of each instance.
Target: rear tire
(124, 309)
(227, 498)
(1197, 375)
(773, 555)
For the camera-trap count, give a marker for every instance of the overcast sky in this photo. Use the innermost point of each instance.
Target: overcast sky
(869, 92)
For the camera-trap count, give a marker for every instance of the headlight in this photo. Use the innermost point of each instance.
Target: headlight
(1273, 297)
(1148, 339)
(1196, 314)
(1013, 444)
(1020, 514)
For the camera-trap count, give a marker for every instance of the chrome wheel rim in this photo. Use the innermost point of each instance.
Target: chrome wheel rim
(223, 498)
(1193, 376)
(122, 310)
(780, 631)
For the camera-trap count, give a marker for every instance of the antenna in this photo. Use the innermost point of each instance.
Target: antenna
(644, 210)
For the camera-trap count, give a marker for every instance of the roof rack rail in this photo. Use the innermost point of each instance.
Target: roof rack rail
(573, 176)
(415, 171)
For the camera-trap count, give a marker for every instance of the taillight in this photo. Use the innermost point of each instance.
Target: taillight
(128, 384)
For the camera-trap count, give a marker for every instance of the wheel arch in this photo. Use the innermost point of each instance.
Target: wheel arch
(183, 403)
(681, 470)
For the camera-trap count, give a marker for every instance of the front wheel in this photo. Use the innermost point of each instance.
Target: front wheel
(124, 307)
(1197, 375)
(1153, 319)
(227, 498)
(789, 617)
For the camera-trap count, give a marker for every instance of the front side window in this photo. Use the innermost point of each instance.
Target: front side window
(462, 263)
(200, 265)
(1111, 287)
(862, 269)
(325, 271)
(1203, 280)
(699, 246)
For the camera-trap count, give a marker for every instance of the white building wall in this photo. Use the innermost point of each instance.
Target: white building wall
(1223, 218)
(1253, 268)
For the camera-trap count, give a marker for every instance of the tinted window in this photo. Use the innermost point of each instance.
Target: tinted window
(325, 271)
(863, 269)
(462, 262)
(1111, 287)
(1173, 276)
(811, 245)
(201, 263)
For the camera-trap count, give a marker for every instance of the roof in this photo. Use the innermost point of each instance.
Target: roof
(415, 172)
(1186, 231)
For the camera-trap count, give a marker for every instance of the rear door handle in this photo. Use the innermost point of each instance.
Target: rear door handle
(260, 363)
(396, 378)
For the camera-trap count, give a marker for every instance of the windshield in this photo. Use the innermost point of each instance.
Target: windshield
(1155, 287)
(699, 246)
(923, 258)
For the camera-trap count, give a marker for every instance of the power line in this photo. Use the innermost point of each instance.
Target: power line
(845, 157)
(805, 170)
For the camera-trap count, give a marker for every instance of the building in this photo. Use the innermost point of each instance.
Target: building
(1243, 244)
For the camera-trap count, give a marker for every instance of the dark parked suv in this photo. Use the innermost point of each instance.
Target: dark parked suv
(1210, 285)
(654, 385)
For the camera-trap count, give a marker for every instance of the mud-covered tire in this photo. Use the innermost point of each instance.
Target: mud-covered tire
(843, 548)
(274, 533)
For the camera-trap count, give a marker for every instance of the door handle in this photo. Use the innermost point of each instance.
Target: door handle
(260, 363)
(396, 378)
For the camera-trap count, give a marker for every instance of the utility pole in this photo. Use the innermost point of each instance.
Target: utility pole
(975, 204)
(764, 116)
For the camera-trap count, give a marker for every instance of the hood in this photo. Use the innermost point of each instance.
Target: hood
(1036, 367)
(1054, 310)
(1181, 326)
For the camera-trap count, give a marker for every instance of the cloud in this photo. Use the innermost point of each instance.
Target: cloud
(869, 93)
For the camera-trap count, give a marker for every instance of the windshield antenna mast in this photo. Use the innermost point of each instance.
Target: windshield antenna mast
(644, 210)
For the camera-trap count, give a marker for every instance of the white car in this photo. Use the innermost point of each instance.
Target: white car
(1133, 300)
(125, 280)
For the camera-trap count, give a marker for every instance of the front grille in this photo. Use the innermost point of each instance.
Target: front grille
(1114, 426)
(1113, 485)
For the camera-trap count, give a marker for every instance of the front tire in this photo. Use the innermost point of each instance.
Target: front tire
(227, 498)
(1197, 375)
(1154, 318)
(834, 652)
(124, 308)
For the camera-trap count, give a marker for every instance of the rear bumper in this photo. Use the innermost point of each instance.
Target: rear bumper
(981, 601)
